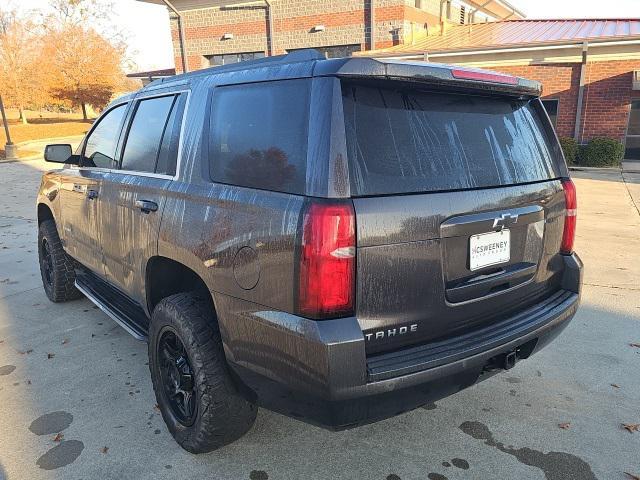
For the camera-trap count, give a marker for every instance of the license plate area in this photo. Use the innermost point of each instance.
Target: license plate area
(487, 249)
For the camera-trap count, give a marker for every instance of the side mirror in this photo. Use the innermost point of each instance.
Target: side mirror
(58, 153)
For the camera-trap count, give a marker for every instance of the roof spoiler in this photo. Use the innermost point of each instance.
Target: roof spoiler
(432, 74)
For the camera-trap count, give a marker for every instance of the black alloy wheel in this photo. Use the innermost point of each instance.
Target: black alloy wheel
(47, 262)
(177, 377)
(57, 269)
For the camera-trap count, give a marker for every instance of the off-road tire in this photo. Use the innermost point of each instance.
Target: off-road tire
(58, 281)
(223, 414)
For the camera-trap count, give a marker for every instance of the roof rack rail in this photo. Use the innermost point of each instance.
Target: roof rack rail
(305, 55)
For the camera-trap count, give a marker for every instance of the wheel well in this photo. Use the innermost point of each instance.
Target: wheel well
(167, 277)
(44, 213)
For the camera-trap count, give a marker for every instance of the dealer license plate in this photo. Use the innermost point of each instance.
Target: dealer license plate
(488, 249)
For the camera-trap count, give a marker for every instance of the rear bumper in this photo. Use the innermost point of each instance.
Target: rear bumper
(317, 371)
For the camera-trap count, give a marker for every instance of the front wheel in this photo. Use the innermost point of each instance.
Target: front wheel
(56, 267)
(198, 399)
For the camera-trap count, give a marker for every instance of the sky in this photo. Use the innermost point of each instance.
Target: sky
(147, 25)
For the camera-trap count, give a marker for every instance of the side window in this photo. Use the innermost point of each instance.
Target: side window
(168, 155)
(258, 135)
(101, 143)
(145, 134)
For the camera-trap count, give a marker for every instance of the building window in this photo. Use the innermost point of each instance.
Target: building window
(633, 132)
(551, 106)
(227, 58)
(334, 51)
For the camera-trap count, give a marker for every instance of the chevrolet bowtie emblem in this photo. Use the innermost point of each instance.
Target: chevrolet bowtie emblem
(504, 220)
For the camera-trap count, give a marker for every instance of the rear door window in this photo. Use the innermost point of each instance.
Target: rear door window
(408, 141)
(258, 135)
(168, 155)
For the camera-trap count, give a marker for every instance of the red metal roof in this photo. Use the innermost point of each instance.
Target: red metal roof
(512, 33)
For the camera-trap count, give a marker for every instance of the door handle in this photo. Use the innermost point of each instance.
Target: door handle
(146, 206)
(92, 194)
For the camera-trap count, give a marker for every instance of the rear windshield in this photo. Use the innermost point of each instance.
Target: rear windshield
(406, 141)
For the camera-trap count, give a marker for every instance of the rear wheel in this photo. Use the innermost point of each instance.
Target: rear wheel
(198, 399)
(56, 267)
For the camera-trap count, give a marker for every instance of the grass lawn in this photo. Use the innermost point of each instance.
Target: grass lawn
(40, 128)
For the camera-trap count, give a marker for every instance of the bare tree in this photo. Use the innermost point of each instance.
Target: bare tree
(81, 12)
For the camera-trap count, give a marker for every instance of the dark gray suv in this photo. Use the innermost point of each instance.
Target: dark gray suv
(338, 240)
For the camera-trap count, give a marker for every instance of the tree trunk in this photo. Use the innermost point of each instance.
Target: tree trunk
(23, 117)
(84, 111)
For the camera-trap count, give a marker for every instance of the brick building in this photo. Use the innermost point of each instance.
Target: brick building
(589, 69)
(216, 32)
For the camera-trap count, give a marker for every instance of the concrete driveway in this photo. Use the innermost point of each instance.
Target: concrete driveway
(76, 401)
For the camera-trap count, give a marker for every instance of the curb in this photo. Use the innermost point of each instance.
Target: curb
(46, 140)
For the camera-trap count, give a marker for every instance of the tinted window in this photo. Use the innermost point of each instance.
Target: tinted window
(168, 155)
(143, 141)
(259, 135)
(410, 141)
(551, 106)
(101, 143)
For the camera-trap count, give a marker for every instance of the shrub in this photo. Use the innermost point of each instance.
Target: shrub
(602, 152)
(570, 149)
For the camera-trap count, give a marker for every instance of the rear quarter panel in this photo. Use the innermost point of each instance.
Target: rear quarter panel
(240, 241)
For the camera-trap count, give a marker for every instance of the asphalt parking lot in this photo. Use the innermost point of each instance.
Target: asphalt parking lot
(76, 400)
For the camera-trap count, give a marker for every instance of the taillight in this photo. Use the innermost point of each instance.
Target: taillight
(327, 261)
(571, 206)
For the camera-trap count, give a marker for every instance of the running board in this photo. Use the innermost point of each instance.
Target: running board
(119, 308)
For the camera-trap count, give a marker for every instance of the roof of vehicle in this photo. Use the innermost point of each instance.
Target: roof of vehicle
(310, 63)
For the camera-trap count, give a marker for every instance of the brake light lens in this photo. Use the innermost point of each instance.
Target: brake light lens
(327, 261)
(484, 76)
(571, 206)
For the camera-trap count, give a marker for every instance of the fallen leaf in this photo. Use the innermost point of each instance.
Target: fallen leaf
(631, 476)
(615, 385)
(631, 427)
(58, 437)
(104, 449)
(50, 355)
(637, 345)
(564, 426)
(65, 341)
(156, 407)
